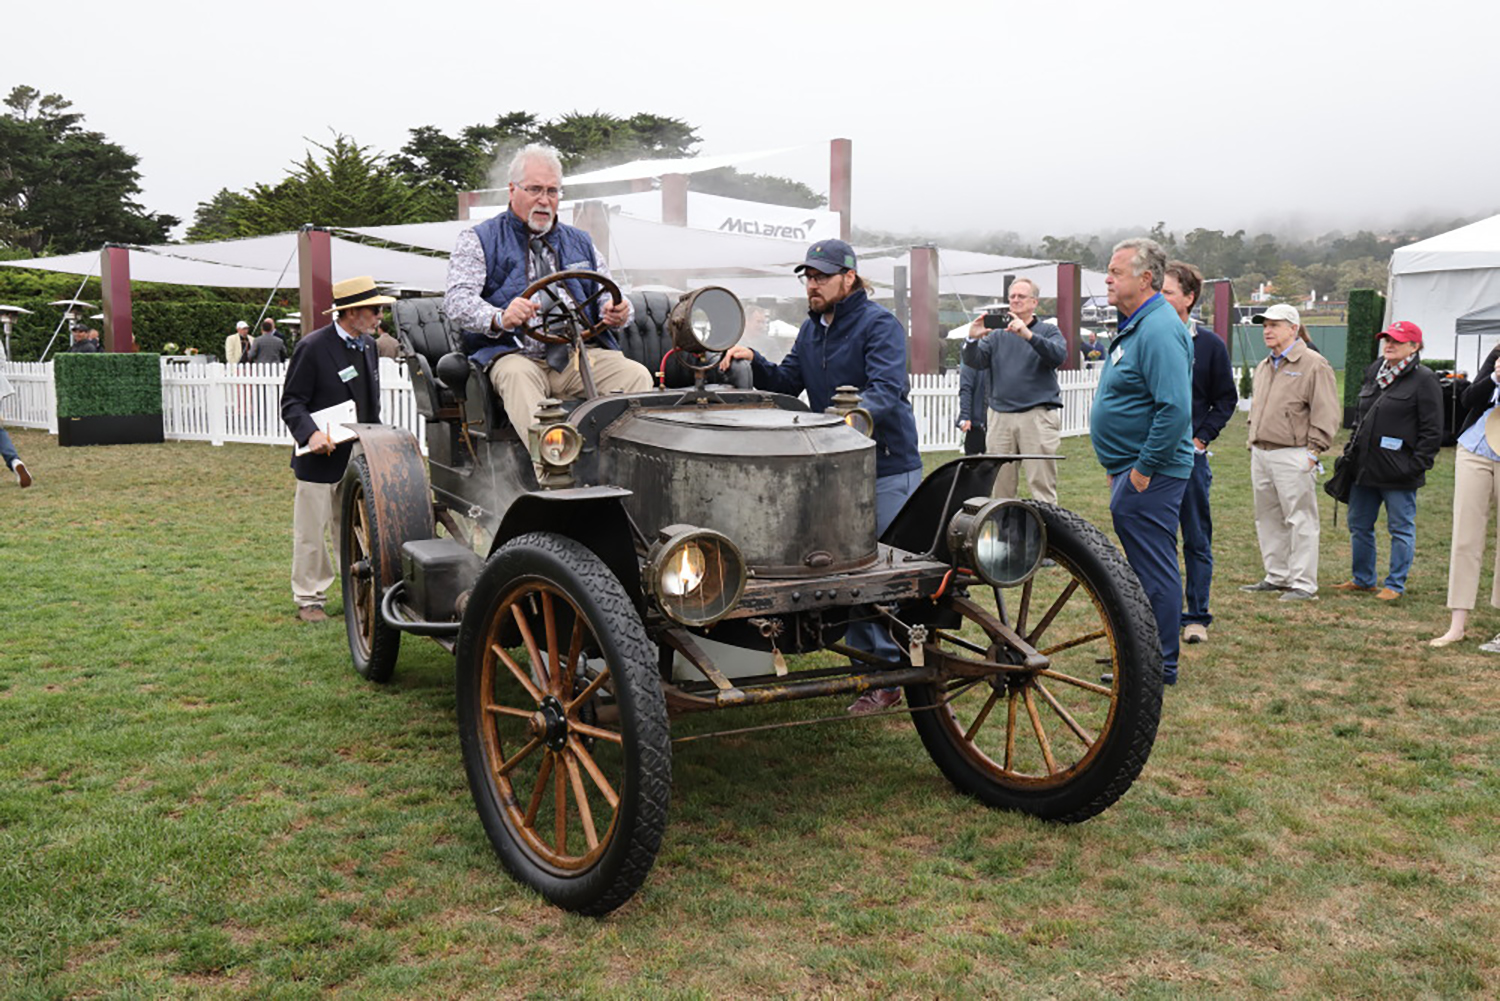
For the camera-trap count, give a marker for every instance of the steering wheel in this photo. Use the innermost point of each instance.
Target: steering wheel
(572, 315)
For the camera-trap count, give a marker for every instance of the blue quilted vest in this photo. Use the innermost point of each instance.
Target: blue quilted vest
(504, 239)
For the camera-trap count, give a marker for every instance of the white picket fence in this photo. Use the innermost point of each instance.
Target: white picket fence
(934, 398)
(215, 403)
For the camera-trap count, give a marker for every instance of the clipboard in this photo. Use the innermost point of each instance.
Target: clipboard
(332, 421)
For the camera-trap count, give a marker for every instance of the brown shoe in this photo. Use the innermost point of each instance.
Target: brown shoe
(874, 701)
(312, 613)
(1349, 585)
(23, 476)
(1386, 594)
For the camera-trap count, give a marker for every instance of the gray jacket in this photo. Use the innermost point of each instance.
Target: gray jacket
(1023, 374)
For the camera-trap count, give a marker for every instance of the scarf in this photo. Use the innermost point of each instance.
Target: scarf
(1390, 373)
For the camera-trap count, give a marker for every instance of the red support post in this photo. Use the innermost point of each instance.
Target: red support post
(114, 275)
(466, 201)
(315, 276)
(1070, 309)
(925, 339)
(1224, 312)
(674, 189)
(593, 218)
(840, 183)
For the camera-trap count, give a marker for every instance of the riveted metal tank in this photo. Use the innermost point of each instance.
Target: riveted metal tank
(794, 490)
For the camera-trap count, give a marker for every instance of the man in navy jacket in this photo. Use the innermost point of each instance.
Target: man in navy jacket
(1214, 399)
(331, 365)
(849, 340)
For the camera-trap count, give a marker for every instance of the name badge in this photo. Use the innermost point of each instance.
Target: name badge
(349, 373)
(1294, 375)
(1116, 355)
(1394, 444)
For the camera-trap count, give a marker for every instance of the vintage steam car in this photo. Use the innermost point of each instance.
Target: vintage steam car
(636, 557)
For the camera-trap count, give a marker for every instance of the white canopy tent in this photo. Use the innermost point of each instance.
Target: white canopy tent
(1438, 280)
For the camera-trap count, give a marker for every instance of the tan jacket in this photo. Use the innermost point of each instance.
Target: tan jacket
(1296, 404)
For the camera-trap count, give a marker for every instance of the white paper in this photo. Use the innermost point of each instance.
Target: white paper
(331, 421)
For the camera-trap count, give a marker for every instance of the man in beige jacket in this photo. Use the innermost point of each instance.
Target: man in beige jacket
(1294, 415)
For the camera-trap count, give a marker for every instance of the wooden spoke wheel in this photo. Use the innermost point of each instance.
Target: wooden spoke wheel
(563, 724)
(1065, 741)
(363, 572)
(563, 315)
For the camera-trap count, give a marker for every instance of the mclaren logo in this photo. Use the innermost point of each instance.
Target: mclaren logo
(753, 227)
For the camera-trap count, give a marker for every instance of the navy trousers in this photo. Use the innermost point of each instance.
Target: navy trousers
(891, 493)
(1198, 541)
(1146, 524)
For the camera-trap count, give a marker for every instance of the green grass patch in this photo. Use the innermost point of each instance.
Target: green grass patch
(199, 798)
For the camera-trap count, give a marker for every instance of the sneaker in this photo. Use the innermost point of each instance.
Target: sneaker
(1262, 585)
(874, 701)
(23, 477)
(1195, 632)
(1493, 646)
(1386, 594)
(312, 613)
(1297, 594)
(1350, 585)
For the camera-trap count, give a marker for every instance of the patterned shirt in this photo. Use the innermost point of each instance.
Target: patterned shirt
(467, 307)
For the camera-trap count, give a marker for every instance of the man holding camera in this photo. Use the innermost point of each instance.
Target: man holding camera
(1021, 353)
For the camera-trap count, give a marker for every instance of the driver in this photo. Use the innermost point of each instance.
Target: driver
(491, 265)
(848, 340)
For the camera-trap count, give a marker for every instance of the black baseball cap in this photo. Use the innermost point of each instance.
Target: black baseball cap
(829, 257)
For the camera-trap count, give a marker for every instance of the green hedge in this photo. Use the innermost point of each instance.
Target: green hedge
(1366, 321)
(107, 385)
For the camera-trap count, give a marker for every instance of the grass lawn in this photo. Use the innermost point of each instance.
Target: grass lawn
(199, 798)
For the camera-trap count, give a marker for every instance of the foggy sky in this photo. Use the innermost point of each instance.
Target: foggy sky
(965, 116)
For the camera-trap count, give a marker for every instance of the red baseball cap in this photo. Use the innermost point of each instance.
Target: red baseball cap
(1404, 331)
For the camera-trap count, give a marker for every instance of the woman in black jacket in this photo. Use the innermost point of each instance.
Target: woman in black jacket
(1396, 441)
(1476, 484)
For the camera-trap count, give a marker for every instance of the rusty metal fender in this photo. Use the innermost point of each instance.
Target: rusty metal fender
(592, 516)
(400, 496)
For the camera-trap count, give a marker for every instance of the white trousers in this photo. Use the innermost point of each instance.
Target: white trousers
(315, 514)
(1476, 493)
(1286, 515)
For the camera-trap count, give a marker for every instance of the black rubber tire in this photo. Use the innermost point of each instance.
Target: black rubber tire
(373, 645)
(524, 573)
(1128, 716)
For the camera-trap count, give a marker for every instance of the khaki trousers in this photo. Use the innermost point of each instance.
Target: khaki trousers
(1286, 515)
(315, 513)
(1037, 431)
(1476, 492)
(524, 382)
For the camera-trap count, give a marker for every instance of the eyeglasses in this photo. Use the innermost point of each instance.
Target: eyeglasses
(818, 278)
(537, 191)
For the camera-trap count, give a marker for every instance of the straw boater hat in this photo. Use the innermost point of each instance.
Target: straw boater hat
(359, 291)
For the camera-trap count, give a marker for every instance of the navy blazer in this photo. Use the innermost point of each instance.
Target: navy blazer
(312, 383)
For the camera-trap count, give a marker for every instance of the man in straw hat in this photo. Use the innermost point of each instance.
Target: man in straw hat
(333, 364)
(1294, 416)
(495, 261)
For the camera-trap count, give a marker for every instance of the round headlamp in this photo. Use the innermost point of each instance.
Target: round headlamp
(860, 420)
(1003, 541)
(696, 574)
(708, 319)
(559, 445)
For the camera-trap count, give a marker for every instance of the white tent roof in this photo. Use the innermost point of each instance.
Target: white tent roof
(257, 262)
(1476, 245)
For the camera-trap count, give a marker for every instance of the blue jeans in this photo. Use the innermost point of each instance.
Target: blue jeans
(1198, 542)
(1146, 524)
(7, 450)
(1400, 520)
(890, 493)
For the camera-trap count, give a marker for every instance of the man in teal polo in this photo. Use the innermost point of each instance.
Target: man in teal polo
(1141, 427)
